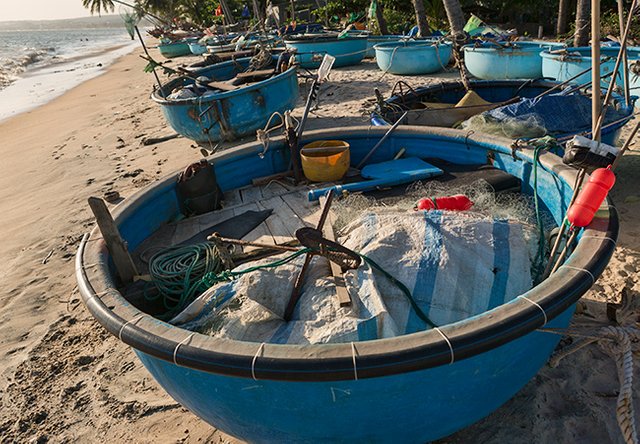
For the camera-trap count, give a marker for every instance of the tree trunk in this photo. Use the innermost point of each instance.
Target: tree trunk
(583, 18)
(456, 18)
(563, 8)
(421, 17)
(382, 23)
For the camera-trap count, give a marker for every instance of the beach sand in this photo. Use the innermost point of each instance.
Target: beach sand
(65, 379)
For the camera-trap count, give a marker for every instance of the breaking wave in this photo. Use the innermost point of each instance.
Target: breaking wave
(12, 66)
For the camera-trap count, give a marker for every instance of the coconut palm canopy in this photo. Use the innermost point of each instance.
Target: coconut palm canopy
(98, 6)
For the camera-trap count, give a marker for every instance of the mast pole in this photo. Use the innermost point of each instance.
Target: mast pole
(596, 99)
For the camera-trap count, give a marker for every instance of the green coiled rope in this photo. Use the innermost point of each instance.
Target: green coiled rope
(182, 273)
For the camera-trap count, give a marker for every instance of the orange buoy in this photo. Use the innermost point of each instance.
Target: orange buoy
(458, 202)
(591, 197)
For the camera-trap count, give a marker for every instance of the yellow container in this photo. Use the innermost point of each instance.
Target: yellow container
(325, 160)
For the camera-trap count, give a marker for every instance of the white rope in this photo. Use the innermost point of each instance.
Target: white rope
(616, 342)
(133, 321)
(175, 351)
(253, 361)
(453, 358)
(353, 357)
(571, 267)
(537, 305)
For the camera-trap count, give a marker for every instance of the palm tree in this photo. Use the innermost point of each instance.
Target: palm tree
(456, 19)
(583, 19)
(98, 6)
(421, 17)
(382, 23)
(561, 26)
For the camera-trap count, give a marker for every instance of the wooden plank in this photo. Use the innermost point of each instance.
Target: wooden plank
(261, 233)
(338, 277)
(283, 222)
(250, 194)
(273, 189)
(222, 86)
(255, 74)
(308, 212)
(116, 245)
(232, 198)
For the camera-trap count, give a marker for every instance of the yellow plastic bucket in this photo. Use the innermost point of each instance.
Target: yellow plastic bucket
(325, 160)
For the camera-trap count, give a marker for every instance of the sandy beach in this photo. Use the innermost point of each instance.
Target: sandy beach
(65, 379)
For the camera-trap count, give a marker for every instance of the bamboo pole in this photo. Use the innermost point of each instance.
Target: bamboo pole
(625, 67)
(596, 92)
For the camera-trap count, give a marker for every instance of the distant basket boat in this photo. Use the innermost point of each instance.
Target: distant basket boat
(231, 113)
(174, 49)
(409, 388)
(435, 105)
(563, 65)
(311, 48)
(413, 57)
(517, 60)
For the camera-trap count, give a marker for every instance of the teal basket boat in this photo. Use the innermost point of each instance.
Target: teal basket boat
(495, 61)
(413, 57)
(311, 48)
(412, 388)
(227, 115)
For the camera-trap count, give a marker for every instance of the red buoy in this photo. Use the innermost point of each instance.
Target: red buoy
(591, 197)
(458, 202)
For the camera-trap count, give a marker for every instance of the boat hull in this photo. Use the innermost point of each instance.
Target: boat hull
(492, 62)
(229, 115)
(562, 67)
(492, 91)
(197, 49)
(177, 49)
(411, 388)
(348, 51)
(412, 57)
(414, 407)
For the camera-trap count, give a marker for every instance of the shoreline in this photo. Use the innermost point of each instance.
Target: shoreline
(65, 379)
(38, 86)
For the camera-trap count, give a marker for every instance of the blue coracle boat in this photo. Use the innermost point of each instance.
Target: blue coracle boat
(567, 64)
(518, 60)
(413, 57)
(373, 40)
(174, 49)
(493, 91)
(411, 388)
(227, 115)
(311, 48)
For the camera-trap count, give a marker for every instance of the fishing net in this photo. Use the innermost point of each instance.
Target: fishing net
(553, 114)
(453, 265)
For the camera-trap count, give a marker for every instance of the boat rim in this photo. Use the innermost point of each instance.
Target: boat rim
(359, 360)
(575, 53)
(402, 45)
(526, 46)
(155, 95)
(307, 38)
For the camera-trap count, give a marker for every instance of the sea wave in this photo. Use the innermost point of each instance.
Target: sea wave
(12, 66)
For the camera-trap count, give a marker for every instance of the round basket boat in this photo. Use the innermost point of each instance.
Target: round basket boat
(311, 48)
(175, 49)
(413, 57)
(493, 91)
(227, 115)
(412, 388)
(564, 65)
(376, 39)
(519, 60)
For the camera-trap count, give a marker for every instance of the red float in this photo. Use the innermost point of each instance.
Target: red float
(591, 197)
(458, 202)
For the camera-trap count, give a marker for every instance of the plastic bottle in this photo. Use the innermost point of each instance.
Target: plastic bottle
(458, 202)
(591, 197)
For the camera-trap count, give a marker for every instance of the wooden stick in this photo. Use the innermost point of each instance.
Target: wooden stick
(154, 69)
(117, 246)
(338, 277)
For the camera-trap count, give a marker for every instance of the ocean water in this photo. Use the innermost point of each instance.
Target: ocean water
(22, 51)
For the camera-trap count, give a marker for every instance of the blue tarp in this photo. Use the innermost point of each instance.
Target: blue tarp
(557, 113)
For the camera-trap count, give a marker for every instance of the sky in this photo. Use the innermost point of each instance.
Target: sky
(41, 9)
